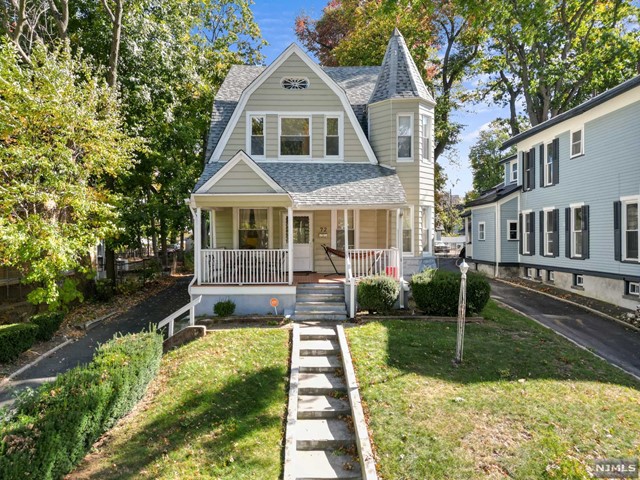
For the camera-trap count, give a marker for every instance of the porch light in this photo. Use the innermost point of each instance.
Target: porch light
(462, 307)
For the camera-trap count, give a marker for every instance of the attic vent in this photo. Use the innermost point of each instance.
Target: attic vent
(292, 83)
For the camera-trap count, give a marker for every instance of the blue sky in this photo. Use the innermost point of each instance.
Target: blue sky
(276, 20)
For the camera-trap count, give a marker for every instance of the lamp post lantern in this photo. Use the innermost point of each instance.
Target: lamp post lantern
(462, 307)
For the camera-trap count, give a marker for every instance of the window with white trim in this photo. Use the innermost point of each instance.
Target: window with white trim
(407, 230)
(549, 232)
(253, 228)
(548, 165)
(577, 143)
(426, 231)
(295, 136)
(526, 233)
(257, 124)
(531, 272)
(632, 288)
(630, 224)
(425, 137)
(550, 276)
(405, 137)
(577, 226)
(332, 137)
(512, 230)
(578, 280)
(351, 232)
(482, 226)
(514, 172)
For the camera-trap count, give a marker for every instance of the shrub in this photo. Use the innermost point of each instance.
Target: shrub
(378, 293)
(129, 287)
(48, 324)
(104, 290)
(52, 430)
(224, 308)
(15, 339)
(437, 292)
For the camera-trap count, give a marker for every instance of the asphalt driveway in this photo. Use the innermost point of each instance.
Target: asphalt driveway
(150, 311)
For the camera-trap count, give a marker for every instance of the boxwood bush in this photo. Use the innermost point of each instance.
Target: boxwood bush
(15, 339)
(436, 292)
(48, 324)
(378, 293)
(51, 430)
(225, 308)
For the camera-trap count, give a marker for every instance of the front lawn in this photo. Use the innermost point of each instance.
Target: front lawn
(215, 410)
(525, 403)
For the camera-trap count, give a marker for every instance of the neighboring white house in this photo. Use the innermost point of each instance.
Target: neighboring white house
(568, 211)
(301, 156)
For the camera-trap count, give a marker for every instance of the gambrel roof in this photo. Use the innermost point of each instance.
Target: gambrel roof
(399, 77)
(310, 184)
(357, 82)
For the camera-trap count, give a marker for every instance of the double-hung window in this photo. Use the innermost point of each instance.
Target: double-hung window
(295, 136)
(350, 229)
(514, 172)
(548, 165)
(577, 226)
(407, 230)
(630, 223)
(549, 232)
(577, 143)
(332, 137)
(482, 230)
(425, 138)
(253, 228)
(513, 230)
(405, 137)
(257, 124)
(526, 232)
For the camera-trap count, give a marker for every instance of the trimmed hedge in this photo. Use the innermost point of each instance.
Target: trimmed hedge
(378, 293)
(53, 429)
(48, 324)
(436, 292)
(15, 339)
(224, 308)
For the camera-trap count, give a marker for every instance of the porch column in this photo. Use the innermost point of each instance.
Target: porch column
(346, 237)
(197, 233)
(290, 242)
(399, 240)
(213, 240)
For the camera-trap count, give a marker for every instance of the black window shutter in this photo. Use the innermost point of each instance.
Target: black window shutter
(520, 232)
(556, 230)
(532, 237)
(617, 230)
(567, 232)
(556, 161)
(541, 162)
(542, 252)
(532, 169)
(585, 231)
(525, 170)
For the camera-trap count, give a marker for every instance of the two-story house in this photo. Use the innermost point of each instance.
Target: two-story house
(567, 212)
(312, 168)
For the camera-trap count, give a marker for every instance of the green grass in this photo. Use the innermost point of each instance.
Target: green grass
(524, 404)
(215, 410)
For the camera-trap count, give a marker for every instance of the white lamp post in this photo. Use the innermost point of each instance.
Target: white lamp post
(462, 307)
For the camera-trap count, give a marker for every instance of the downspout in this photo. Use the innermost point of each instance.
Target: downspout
(498, 241)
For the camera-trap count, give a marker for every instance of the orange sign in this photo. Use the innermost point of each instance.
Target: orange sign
(274, 302)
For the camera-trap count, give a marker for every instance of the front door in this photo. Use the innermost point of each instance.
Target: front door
(302, 241)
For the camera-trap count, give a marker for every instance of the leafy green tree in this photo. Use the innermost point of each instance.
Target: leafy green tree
(61, 136)
(485, 155)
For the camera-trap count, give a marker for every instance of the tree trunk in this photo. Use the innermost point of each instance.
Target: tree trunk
(116, 34)
(163, 242)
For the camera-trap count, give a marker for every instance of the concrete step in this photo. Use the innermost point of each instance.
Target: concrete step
(322, 406)
(320, 307)
(318, 333)
(320, 297)
(322, 289)
(320, 364)
(325, 465)
(320, 384)
(319, 316)
(323, 434)
(318, 347)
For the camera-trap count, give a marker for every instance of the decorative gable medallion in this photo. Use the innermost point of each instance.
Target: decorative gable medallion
(294, 83)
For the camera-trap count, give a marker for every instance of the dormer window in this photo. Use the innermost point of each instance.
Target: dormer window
(295, 136)
(295, 83)
(514, 172)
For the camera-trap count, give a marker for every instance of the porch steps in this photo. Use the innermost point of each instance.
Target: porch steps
(320, 301)
(321, 442)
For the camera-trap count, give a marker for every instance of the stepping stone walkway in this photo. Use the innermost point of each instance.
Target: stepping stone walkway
(322, 442)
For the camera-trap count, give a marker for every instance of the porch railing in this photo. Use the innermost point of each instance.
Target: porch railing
(244, 267)
(374, 261)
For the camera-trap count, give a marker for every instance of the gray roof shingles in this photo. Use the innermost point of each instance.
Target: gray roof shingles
(329, 184)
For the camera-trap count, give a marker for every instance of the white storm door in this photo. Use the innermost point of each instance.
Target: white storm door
(302, 241)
